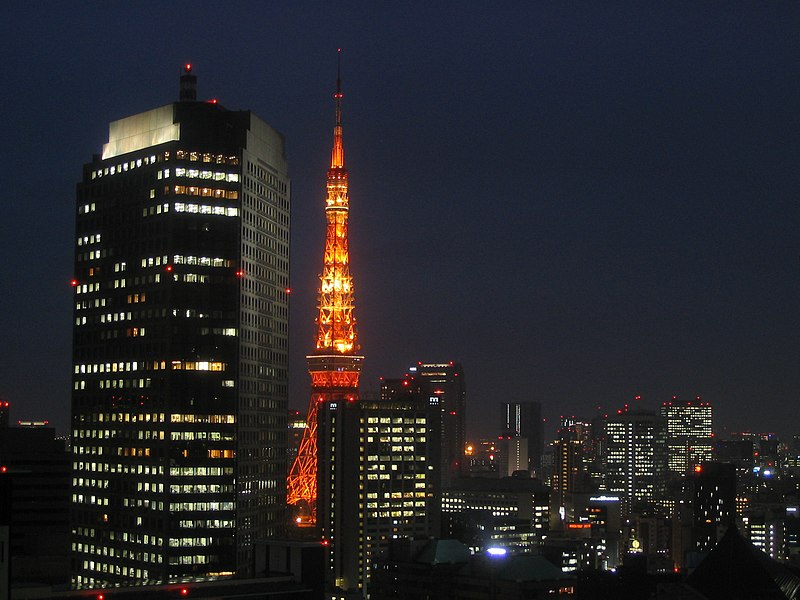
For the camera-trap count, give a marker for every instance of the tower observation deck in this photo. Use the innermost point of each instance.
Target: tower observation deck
(335, 365)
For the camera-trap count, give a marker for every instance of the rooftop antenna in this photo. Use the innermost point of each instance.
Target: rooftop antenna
(188, 84)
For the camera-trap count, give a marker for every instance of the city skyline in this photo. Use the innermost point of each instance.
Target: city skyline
(580, 205)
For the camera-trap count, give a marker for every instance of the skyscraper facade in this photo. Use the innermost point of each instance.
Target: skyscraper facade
(445, 383)
(635, 455)
(689, 440)
(377, 482)
(180, 345)
(524, 419)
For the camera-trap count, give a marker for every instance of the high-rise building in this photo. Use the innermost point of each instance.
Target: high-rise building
(445, 382)
(513, 459)
(180, 345)
(706, 510)
(689, 440)
(572, 459)
(524, 419)
(635, 455)
(377, 481)
(35, 464)
(335, 366)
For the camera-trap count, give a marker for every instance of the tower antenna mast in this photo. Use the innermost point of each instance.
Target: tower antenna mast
(335, 365)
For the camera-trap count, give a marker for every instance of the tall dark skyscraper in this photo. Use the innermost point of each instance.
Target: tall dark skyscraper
(444, 383)
(180, 345)
(706, 510)
(524, 419)
(35, 465)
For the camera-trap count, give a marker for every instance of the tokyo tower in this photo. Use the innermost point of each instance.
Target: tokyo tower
(335, 365)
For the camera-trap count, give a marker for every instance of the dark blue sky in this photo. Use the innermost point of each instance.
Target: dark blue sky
(581, 202)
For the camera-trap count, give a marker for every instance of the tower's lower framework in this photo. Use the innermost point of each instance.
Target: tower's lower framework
(333, 377)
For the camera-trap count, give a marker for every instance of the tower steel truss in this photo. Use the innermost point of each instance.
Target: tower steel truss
(335, 365)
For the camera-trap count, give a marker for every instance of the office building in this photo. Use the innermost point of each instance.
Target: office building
(572, 459)
(377, 482)
(482, 458)
(513, 458)
(35, 471)
(689, 439)
(524, 420)
(705, 511)
(180, 343)
(445, 382)
(483, 512)
(635, 455)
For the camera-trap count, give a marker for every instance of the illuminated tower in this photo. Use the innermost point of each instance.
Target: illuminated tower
(335, 365)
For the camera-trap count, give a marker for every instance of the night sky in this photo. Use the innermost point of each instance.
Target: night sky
(580, 202)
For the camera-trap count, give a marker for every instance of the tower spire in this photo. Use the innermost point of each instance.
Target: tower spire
(335, 365)
(337, 155)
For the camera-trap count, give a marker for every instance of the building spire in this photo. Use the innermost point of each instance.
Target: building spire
(337, 155)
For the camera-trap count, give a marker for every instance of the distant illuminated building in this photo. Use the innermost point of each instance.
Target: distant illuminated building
(445, 381)
(512, 512)
(635, 455)
(483, 458)
(737, 452)
(524, 419)
(767, 532)
(377, 481)
(513, 456)
(180, 346)
(406, 386)
(570, 473)
(689, 433)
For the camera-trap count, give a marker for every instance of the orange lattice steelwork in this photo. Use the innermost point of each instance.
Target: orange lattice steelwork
(335, 366)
